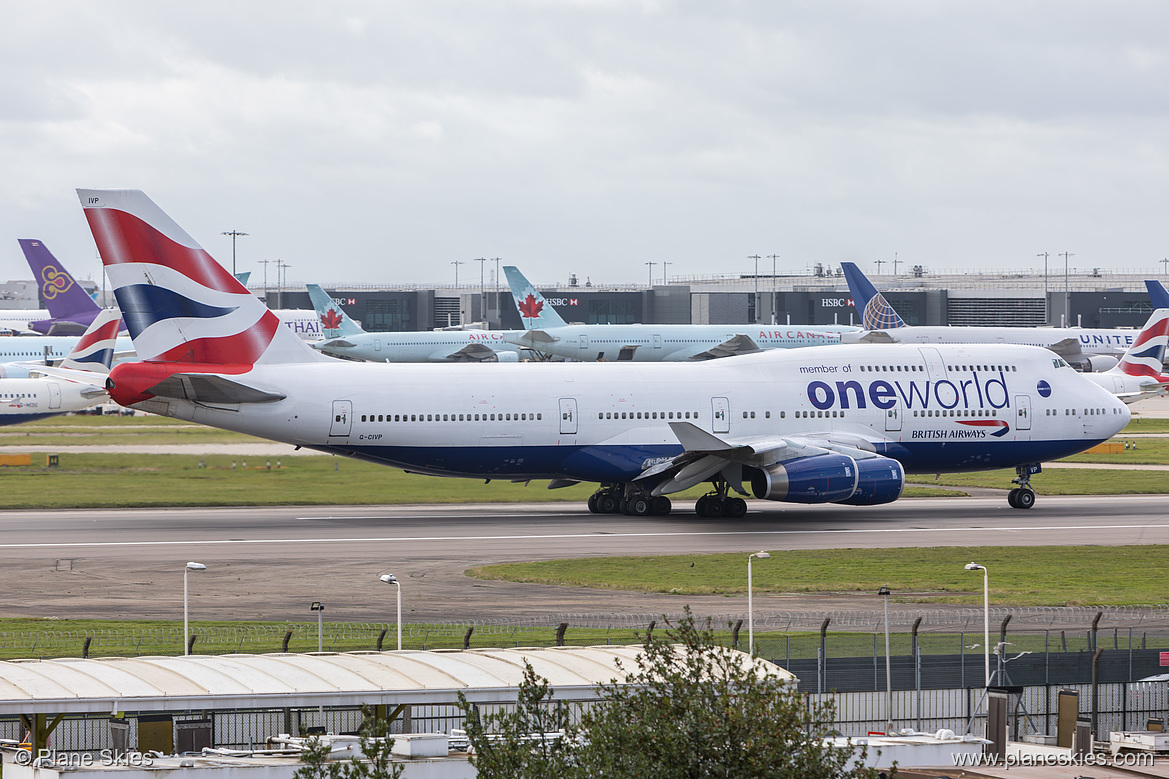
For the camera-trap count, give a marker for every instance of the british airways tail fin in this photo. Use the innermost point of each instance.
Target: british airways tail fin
(95, 350)
(876, 313)
(1158, 296)
(71, 309)
(335, 323)
(1146, 356)
(180, 305)
(535, 311)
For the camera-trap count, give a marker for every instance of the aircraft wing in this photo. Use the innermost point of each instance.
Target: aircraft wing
(211, 388)
(70, 374)
(876, 337)
(1068, 347)
(473, 353)
(707, 454)
(534, 339)
(739, 344)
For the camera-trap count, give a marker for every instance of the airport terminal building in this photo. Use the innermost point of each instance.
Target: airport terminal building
(1089, 298)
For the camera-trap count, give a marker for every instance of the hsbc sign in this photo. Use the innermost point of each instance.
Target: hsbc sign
(836, 303)
(563, 301)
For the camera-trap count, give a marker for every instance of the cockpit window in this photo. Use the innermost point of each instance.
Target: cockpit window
(1058, 362)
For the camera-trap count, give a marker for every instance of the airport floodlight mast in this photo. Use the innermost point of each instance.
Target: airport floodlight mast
(482, 288)
(985, 614)
(265, 264)
(884, 591)
(281, 270)
(651, 272)
(756, 258)
(751, 602)
(234, 234)
(774, 295)
(1164, 264)
(1046, 313)
(389, 578)
(1067, 298)
(457, 263)
(186, 611)
(664, 265)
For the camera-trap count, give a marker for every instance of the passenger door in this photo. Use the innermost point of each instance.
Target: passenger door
(721, 413)
(342, 418)
(568, 416)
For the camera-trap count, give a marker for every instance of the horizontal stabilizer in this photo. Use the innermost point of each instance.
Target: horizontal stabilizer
(1068, 347)
(209, 388)
(876, 337)
(739, 344)
(473, 353)
(534, 339)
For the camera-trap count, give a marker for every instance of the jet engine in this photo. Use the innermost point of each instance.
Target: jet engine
(1098, 363)
(507, 357)
(821, 478)
(879, 480)
(13, 370)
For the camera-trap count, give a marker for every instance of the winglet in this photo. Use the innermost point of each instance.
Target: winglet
(876, 313)
(535, 311)
(335, 323)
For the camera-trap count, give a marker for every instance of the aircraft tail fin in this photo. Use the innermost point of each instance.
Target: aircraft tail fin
(70, 307)
(335, 323)
(1158, 296)
(180, 305)
(95, 349)
(535, 312)
(876, 313)
(1146, 356)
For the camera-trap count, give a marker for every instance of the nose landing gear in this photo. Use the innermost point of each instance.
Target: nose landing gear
(1023, 496)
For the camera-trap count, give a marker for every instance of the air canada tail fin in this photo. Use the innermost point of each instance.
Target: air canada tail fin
(1146, 356)
(95, 349)
(535, 311)
(70, 307)
(335, 323)
(876, 313)
(180, 305)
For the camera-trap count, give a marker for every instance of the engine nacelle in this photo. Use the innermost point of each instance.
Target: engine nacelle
(501, 356)
(1098, 363)
(821, 478)
(879, 480)
(14, 370)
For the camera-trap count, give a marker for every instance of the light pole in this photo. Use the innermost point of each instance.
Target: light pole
(888, 666)
(319, 608)
(651, 273)
(234, 234)
(756, 258)
(1046, 313)
(389, 578)
(985, 613)
(1067, 298)
(482, 287)
(186, 612)
(665, 265)
(750, 602)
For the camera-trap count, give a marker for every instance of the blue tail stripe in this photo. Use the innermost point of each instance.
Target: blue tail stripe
(143, 305)
(102, 357)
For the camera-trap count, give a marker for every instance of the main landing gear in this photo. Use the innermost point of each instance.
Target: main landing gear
(1023, 496)
(625, 499)
(720, 504)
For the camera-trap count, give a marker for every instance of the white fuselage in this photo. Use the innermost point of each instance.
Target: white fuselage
(934, 409)
(1091, 341)
(421, 346)
(25, 400)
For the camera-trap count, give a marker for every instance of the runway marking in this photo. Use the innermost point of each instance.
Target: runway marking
(567, 536)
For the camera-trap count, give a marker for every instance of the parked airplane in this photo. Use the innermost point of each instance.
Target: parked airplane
(345, 338)
(548, 333)
(1141, 372)
(77, 384)
(818, 425)
(24, 353)
(1157, 293)
(1088, 349)
(71, 310)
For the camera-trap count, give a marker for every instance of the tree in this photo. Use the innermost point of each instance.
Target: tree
(375, 761)
(691, 708)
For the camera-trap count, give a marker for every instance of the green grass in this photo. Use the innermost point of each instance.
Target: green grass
(1036, 576)
(1061, 481)
(1146, 425)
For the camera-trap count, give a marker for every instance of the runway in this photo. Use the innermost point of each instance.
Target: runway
(271, 563)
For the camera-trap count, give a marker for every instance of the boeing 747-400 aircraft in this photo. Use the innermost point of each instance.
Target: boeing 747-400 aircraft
(837, 424)
(548, 333)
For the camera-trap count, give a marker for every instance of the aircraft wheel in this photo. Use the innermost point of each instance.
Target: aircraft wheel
(700, 506)
(607, 504)
(661, 506)
(715, 508)
(1025, 499)
(1013, 498)
(593, 504)
(639, 507)
(736, 507)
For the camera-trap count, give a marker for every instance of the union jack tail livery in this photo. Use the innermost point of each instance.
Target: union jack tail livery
(95, 349)
(1146, 357)
(180, 305)
(876, 313)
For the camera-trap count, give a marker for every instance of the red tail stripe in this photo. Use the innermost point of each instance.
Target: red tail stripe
(242, 348)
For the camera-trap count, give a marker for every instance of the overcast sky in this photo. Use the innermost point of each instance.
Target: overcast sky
(380, 141)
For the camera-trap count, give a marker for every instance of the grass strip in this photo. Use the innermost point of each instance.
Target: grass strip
(1020, 576)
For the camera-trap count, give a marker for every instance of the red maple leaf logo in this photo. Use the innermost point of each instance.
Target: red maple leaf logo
(331, 320)
(530, 308)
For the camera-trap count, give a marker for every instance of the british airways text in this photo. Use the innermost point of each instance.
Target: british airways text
(980, 391)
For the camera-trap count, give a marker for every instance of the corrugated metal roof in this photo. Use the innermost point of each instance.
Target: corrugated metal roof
(315, 679)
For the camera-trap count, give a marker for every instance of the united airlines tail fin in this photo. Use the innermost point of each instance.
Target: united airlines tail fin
(180, 305)
(535, 311)
(876, 313)
(335, 323)
(1158, 296)
(71, 309)
(95, 350)
(1146, 356)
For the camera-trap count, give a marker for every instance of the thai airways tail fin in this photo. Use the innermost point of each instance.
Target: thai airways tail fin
(335, 323)
(71, 309)
(1146, 356)
(1158, 296)
(180, 305)
(535, 311)
(876, 313)
(95, 349)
